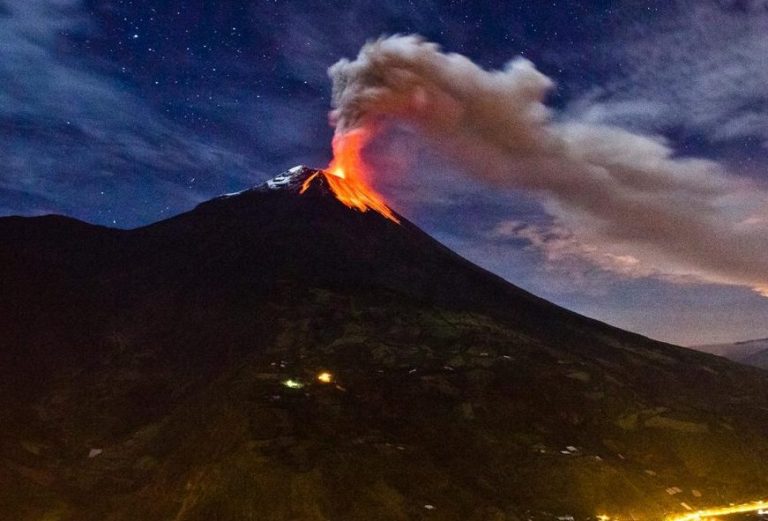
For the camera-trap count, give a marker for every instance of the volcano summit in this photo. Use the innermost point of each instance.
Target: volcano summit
(277, 354)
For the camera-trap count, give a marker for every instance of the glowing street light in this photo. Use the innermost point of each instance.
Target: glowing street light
(293, 384)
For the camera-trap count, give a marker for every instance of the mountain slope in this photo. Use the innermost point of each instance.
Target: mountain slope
(143, 376)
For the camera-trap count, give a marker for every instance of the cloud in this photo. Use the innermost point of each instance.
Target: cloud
(620, 199)
(72, 135)
(559, 246)
(703, 66)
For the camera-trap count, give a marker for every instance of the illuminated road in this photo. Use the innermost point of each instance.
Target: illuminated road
(757, 507)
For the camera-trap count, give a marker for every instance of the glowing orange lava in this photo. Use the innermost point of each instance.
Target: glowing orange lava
(347, 172)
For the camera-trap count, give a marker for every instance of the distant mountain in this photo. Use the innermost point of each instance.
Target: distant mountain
(276, 355)
(750, 352)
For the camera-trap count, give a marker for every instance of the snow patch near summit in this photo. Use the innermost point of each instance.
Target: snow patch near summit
(292, 177)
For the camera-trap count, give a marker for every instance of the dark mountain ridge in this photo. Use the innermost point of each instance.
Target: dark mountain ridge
(142, 375)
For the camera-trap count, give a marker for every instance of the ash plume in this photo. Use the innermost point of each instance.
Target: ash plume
(618, 194)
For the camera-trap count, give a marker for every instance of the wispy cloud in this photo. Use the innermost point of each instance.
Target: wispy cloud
(71, 134)
(702, 67)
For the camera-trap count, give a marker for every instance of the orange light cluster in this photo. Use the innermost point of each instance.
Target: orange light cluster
(347, 173)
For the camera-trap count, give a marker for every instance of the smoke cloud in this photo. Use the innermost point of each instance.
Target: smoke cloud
(619, 199)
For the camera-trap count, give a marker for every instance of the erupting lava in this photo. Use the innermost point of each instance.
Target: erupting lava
(347, 172)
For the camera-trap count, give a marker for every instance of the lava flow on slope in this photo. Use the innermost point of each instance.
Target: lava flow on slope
(347, 174)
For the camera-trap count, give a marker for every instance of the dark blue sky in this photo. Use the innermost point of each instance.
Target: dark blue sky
(126, 112)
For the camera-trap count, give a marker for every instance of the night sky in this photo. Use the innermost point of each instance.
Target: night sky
(123, 113)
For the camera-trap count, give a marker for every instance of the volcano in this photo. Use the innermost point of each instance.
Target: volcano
(276, 354)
